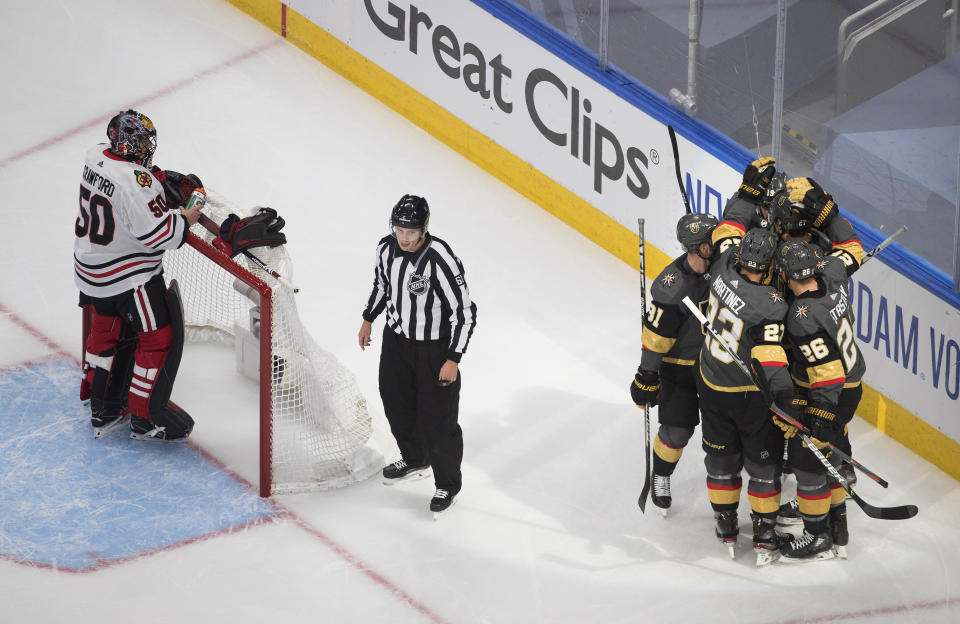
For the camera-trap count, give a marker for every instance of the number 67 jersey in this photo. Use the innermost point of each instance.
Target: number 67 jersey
(825, 357)
(123, 226)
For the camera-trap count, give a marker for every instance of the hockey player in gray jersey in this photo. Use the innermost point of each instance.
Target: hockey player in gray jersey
(738, 429)
(748, 208)
(671, 339)
(803, 211)
(828, 363)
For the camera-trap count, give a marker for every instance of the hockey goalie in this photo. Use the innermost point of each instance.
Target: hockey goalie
(236, 277)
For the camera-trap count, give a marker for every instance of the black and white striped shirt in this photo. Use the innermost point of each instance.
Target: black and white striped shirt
(424, 293)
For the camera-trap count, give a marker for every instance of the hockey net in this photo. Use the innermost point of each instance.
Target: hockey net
(315, 430)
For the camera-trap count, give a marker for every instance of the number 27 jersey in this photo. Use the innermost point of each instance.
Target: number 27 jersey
(123, 225)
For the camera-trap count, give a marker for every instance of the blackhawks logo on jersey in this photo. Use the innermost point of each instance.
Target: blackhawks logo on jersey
(669, 279)
(417, 285)
(143, 178)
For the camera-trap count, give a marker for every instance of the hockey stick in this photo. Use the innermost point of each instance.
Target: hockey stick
(676, 164)
(211, 226)
(646, 408)
(882, 245)
(839, 453)
(901, 512)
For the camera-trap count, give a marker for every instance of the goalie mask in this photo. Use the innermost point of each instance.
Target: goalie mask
(694, 229)
(799, 260)
(133, 136)
(757, 249)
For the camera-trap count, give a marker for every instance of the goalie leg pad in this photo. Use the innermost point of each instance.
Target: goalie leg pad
(99, 350)
(157, 360)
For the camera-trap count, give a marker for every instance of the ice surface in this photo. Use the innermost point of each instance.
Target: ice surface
(547, 528)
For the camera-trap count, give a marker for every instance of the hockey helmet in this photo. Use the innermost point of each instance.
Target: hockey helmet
(777, 184)
(410, 212)
(695, 228)
(757, 249)
(787, 216)
(133, 136)
(799, 260)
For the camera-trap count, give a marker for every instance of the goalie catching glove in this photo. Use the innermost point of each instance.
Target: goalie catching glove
(260, 230)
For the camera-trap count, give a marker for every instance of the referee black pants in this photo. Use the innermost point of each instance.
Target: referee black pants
(422, 413)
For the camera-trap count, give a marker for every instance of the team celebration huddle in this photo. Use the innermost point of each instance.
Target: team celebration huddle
(751, 330)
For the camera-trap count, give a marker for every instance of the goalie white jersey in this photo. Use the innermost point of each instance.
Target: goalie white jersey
(123, 226)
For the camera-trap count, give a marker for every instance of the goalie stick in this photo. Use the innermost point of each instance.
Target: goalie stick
(901, 512)
(211, 226)
(642, 501)
(676, 164)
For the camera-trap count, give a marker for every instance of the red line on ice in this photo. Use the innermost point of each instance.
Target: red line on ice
(99, 121)
(282, 513)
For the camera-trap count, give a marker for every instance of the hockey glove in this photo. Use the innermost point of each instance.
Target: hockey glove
(818, 206)
(177, 186)
(645, 389)
(259, 230)
(793, 403)
(821, 419)
(756, 179)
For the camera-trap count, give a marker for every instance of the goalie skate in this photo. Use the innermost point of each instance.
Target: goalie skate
(104, 425)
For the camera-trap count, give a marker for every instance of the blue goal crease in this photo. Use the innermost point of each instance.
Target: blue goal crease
(71, 502)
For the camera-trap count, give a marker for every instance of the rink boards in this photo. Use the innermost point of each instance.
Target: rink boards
(592, 149)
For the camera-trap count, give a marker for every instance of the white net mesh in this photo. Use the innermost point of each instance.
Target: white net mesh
(321, 432)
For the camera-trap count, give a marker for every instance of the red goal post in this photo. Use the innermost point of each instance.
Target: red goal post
(314, 428)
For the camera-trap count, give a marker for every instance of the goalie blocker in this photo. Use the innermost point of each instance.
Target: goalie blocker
(133, 345)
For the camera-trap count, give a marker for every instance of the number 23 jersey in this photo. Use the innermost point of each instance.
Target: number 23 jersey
(123, 225)
(749, 317)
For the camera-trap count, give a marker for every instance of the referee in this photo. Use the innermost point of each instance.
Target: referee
(420, 283)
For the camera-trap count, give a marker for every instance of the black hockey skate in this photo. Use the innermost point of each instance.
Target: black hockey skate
(766, 541)
(838, 530)
(810, 547)
(727, 529)
(401, 471)
(104, 422)
(441, 501)
(789, 514)
(142, 429)
(661, 493)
